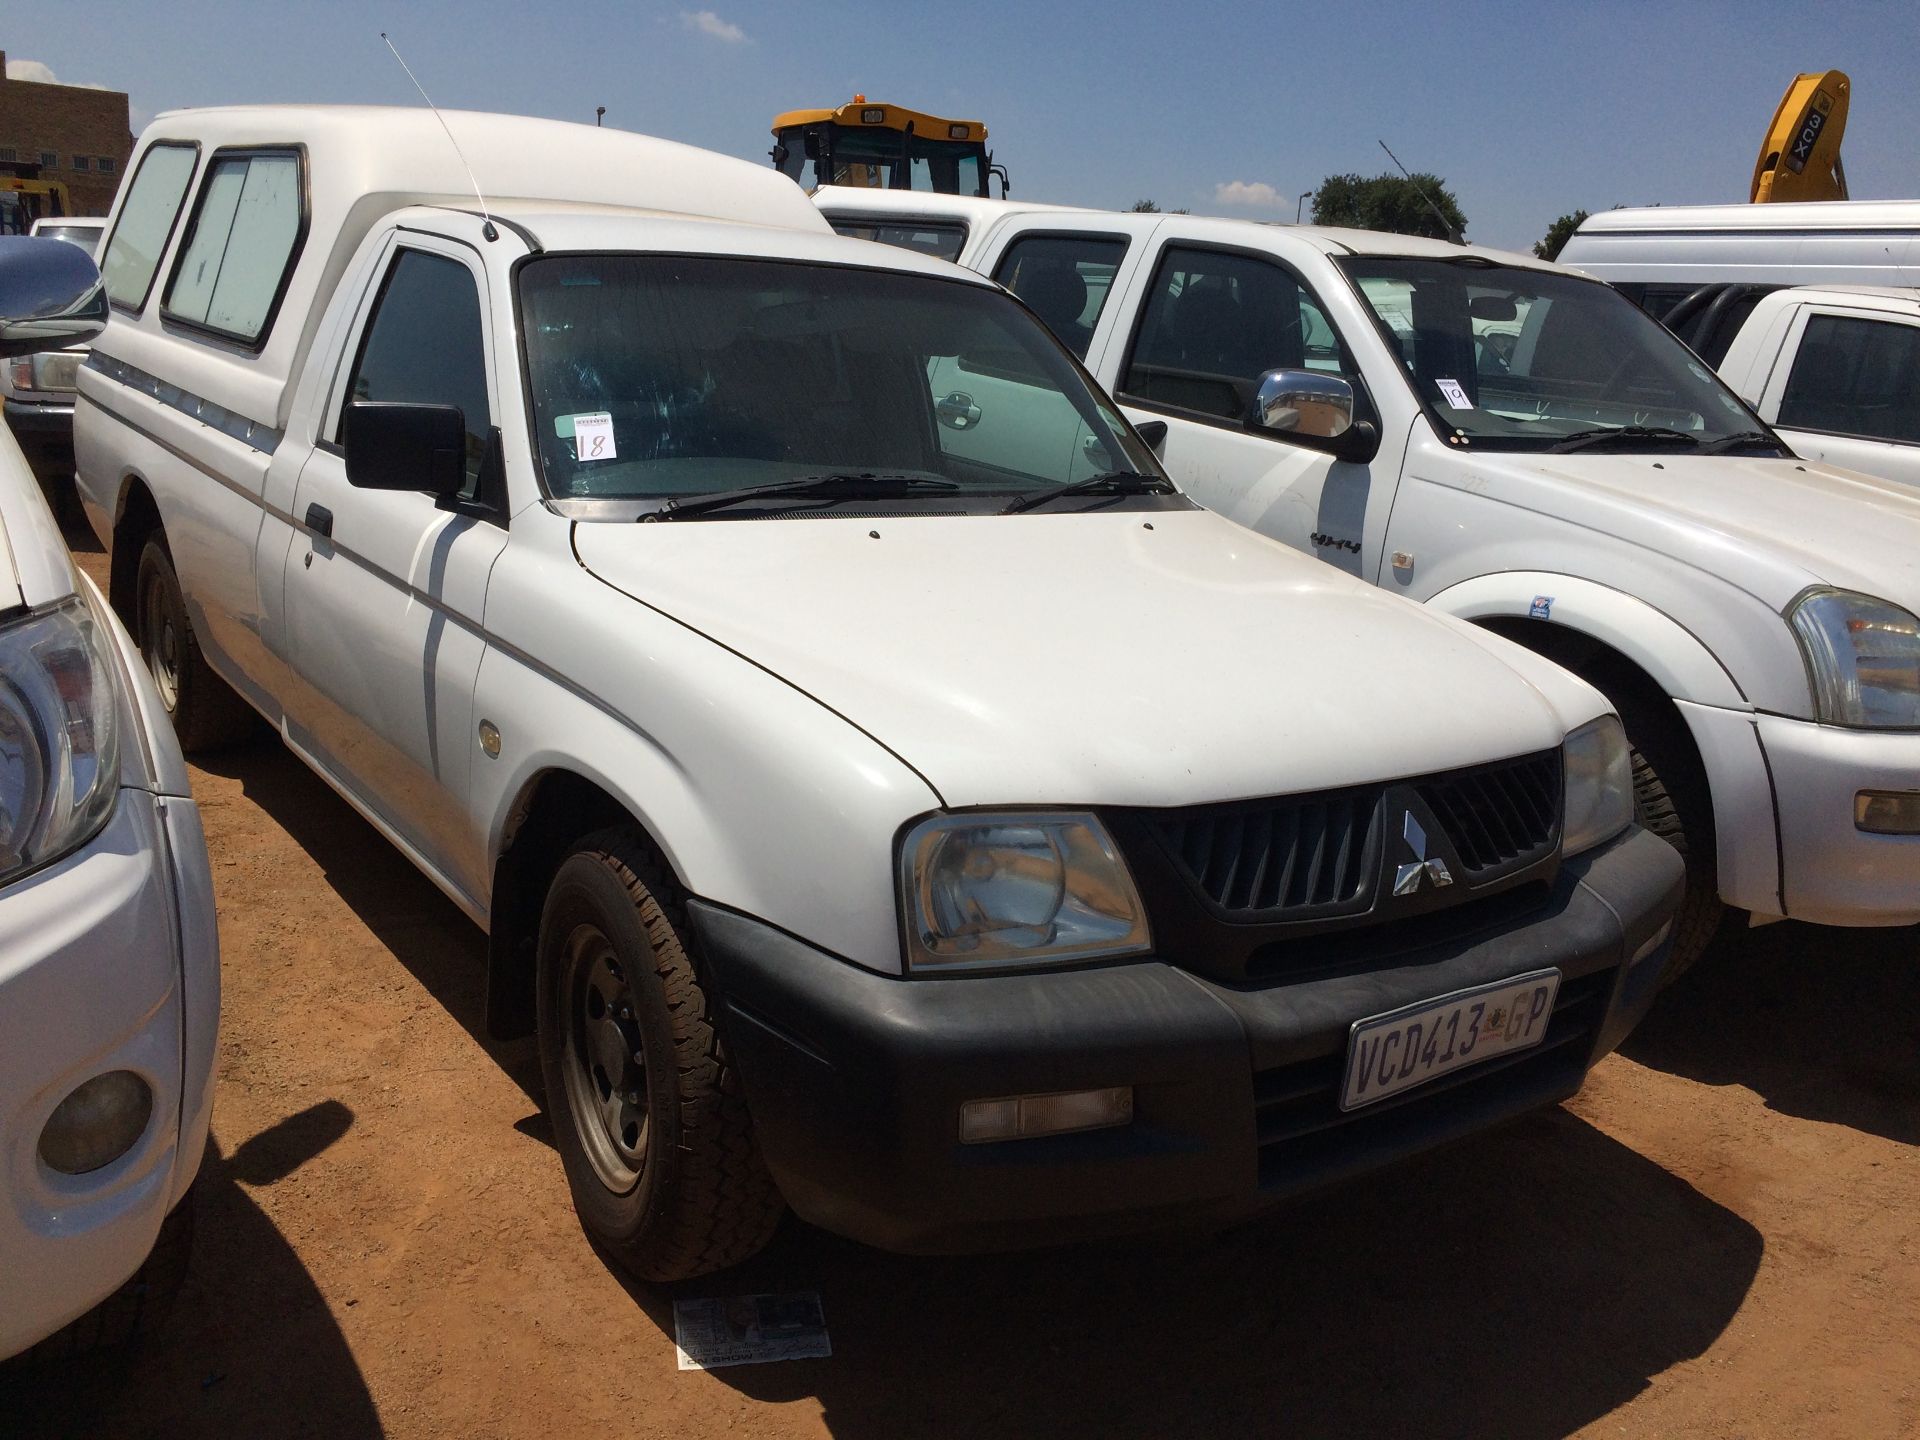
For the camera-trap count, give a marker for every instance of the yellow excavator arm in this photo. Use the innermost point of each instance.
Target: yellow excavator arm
(1800, 159)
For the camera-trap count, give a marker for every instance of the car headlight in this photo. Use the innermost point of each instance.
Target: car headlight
(59, 736)
(1863, 657)
(981, 891)
(1599, 785)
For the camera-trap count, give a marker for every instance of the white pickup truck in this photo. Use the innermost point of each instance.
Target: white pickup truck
(964, 852)
(1836, 370)
(1523, 448)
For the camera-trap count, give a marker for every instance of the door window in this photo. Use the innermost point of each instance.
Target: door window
(1065, 280)
(424, 345)
(1855, 377)
(240, 246)
(1215, 323)
(147, 216)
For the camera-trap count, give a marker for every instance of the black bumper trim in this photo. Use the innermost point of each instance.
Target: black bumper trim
(855, 1079)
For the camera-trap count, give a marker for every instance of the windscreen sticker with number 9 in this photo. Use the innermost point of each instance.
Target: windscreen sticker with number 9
(592, 435)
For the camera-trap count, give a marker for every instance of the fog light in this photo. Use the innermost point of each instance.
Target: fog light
(1019, 1116)
(97, 1124)
(1887, 812)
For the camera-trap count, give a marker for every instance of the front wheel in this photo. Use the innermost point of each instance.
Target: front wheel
(647, 1113)
(1671, 800)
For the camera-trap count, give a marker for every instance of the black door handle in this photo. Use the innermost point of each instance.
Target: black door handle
(320, 521)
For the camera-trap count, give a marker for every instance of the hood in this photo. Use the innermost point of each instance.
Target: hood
(1132, 658)
(1770, 526)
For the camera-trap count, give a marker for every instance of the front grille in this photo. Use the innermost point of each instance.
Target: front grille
(1298, 855)
(1303, 1133)
(1499, 817)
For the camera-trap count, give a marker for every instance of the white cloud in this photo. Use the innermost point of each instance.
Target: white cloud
(705, 22)
(1253, 194)
(42, 74)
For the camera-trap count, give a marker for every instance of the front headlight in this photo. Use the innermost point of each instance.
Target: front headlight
(1599, 785)
(980, 891)
(1863, 657)
(59, 736)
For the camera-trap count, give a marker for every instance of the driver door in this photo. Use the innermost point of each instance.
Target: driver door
(385, 588)
(1208, 324)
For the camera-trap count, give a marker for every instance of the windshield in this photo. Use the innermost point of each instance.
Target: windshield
(887, 160)
(1519, 359)
(656, 377)
(87, 237)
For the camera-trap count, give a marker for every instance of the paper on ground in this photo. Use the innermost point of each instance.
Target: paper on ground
(750, 1330)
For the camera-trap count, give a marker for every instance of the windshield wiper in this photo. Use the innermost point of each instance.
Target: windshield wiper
(1118, 482)
(829, 489)
(1745, 437)
(1607, 434)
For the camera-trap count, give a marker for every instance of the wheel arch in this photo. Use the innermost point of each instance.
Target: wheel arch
(136, 515)
(1620, 643)
(1522, 604)
(553, 807)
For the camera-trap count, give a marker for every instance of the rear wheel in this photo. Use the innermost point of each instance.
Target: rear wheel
(205, 711)
(647, 1113)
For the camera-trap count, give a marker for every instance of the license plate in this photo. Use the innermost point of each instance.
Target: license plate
(1389, 1053)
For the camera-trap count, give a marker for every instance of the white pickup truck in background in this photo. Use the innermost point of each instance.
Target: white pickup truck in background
(1836, 370)
(1519, 446)
(1809, 311)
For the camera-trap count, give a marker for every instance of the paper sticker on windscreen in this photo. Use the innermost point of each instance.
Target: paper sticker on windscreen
(1454, 394)
(593, 437)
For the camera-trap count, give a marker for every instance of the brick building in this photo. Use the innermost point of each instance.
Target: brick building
(70, 133)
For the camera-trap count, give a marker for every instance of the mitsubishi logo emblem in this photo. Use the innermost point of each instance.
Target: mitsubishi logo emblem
(1406, 879)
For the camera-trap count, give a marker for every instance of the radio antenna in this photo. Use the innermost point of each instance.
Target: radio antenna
(487, 229)
(1432, 204)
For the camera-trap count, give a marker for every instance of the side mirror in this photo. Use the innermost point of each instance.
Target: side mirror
(392, 445)
(50, 296)
(1314, 409)
(1154, 432)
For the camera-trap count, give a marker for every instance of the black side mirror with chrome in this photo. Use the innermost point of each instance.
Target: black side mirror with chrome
(50, 296)
(397, 445)
(1316, 410)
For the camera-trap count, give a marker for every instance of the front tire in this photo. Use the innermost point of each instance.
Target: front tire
(1671, 800)
(205, 711)
(647, 1113)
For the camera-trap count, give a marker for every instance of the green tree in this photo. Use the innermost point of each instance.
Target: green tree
(1390, 202)
(1558, 234)
(1147, 207)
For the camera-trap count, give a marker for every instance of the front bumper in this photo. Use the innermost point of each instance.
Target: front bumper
(42, 422)
(855, 1080)
(1833, 873)
(107, 961)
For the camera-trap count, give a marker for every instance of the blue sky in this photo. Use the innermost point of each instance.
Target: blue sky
(1528, 110)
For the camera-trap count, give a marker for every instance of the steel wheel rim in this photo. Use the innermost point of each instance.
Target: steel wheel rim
(160, 642)
(603, 1061)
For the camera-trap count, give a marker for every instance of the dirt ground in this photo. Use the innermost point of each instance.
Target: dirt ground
(1719, 1237)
